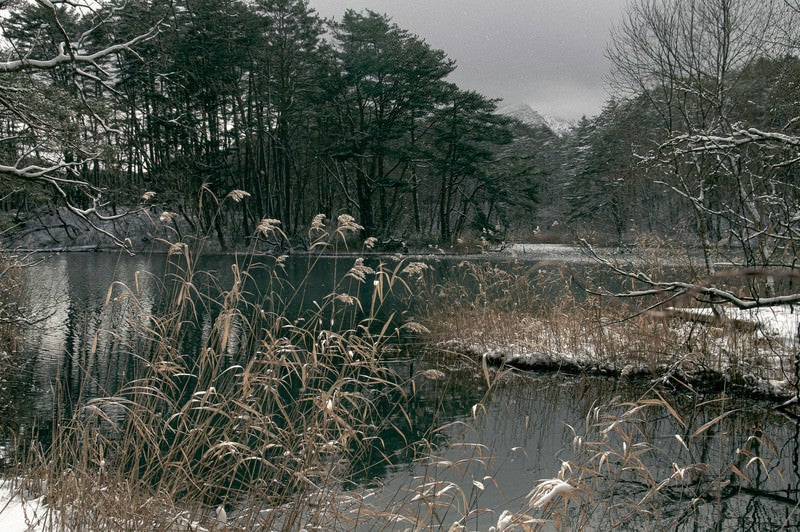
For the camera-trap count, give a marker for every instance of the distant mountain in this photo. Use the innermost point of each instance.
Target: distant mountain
(524, 113)
(527, 115)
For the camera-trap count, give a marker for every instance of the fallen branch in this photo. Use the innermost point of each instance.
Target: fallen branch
(713, 294)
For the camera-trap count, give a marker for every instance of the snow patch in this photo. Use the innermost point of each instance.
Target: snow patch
(530, 117)
(719, 361)
(18, 513)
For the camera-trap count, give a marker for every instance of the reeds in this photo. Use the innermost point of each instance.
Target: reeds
(625, 473)
(562, 317)
(247, 405)
(250, 406)
(622, 473)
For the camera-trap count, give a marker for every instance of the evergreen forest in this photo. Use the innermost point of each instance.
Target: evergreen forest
(212, 115)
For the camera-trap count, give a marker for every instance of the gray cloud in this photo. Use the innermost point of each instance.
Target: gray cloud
(548, 53)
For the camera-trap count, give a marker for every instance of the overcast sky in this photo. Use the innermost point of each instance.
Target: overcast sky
(547, 53)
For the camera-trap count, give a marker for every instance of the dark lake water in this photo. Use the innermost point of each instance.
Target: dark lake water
(519, 436)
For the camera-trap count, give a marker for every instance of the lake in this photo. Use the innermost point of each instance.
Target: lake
(496, 453)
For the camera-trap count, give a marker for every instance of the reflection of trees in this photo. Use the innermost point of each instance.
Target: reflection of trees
(97, 325)
(13, 379)
(769, 497)
(16, 400)
(71, 350)
(87, 345)
(525, 435)
(411, 422)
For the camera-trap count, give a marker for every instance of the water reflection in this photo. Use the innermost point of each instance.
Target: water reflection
(495, 452)
(65, 296)
(517, 436)
(526, 432)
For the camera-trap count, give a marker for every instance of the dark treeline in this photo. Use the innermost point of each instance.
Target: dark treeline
(272, 112)
(305, 116)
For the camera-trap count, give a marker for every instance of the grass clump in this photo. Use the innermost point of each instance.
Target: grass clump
(662, 464)
(568, 318)
(245, 406)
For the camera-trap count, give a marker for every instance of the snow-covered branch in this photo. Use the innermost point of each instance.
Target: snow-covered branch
(34, 172)
(696, 143)
(50, 176)
(71, 57)
(45, 116)
(707, 293)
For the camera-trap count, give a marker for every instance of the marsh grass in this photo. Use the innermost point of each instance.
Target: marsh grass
(264, 419)
(656, 464)
(623, 473)
(557, 317)
(248, 405)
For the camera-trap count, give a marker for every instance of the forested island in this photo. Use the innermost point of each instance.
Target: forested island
(329, 259)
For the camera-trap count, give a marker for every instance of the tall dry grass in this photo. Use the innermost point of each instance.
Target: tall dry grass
(10, 319)
(248, 427)
(565, 317)
(655, 464)
(261, 423)
(621, 473)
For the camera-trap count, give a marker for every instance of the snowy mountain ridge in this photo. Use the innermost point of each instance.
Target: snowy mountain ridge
(529, 116)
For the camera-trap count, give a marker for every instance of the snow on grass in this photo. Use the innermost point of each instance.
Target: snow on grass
(751, 348)
(20, 513)
(777, 323)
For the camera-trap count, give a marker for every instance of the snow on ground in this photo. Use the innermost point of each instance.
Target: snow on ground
(763, 367)
(19, 515)
(779, 323)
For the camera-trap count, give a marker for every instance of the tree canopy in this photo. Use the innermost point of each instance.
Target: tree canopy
(715, 84)
(187, 102)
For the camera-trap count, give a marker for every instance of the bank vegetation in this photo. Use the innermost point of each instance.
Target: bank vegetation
(207, 123)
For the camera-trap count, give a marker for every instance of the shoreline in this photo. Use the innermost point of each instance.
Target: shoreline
(698, 379)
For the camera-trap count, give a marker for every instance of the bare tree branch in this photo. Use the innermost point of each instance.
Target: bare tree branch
(711, 293)
(48, 151)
